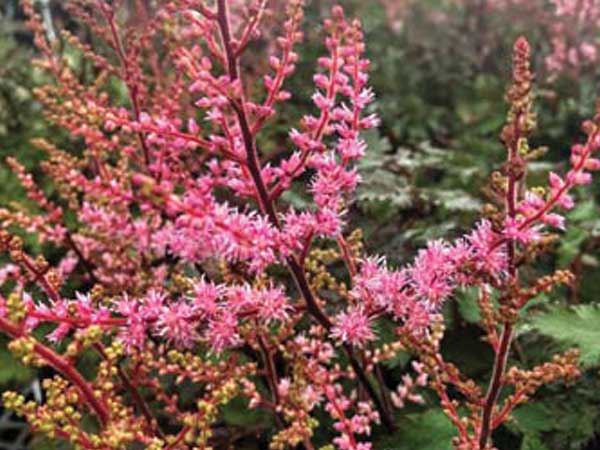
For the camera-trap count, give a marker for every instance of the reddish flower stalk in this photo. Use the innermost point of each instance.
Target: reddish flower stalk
(64, 367)
(513, 135)
(267, 206)
(194, 258)
(132, 85)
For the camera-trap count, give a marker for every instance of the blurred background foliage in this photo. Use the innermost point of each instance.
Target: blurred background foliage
(440, 69)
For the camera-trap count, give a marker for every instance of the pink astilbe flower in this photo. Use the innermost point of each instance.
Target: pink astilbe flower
(222, 332)
(488, 255)
(353, 327)
(133, 336)
(381, 289)
(513, 230)
(432, 272)
(68, 314)
(177, 325)
(272, 305)
(192, 269)
(206, 296)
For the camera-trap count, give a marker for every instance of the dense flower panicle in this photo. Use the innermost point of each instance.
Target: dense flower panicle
(222, 331)
(205, 229)
(358, 423)
(178, 321)
(415, 293)
(487, 257)
(380, 289)
(191, 268)
(432, 271)
(206, 296)
(353, 327)
(513, 231)
(535, 211)
(176, 324)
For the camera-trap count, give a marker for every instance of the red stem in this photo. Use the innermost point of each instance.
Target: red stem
(503, 349)
(588, 148)
(495, 385)
(179, 438)
(64, 367)
(132, 87)
(268, 208)
(135, 394)
(508, 407)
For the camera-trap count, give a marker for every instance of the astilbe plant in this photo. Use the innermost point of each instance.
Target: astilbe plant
(198, 285)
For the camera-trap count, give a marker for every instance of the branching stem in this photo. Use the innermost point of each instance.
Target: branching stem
(268, 208)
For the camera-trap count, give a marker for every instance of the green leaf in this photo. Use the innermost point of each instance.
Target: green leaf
(532, 442)
(577, 326)
(11, 371)
(237, 413)
(584, 211)
(570, 245)
(430, 430)
(533, 418)
(467, 305)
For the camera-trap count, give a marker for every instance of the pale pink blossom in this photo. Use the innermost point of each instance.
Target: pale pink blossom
(353, 327)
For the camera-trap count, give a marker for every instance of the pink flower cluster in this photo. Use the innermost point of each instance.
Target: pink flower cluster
(187, 255)
(218, 309)
(535, 211)
(413, 295)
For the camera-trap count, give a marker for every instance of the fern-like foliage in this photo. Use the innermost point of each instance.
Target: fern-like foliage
(575, 326)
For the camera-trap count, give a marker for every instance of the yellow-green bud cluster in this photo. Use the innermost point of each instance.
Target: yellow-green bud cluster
(24, 349)
(15, 307)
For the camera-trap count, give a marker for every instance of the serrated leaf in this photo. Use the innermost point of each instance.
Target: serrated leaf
(533, 418)
(577, 326)
(430, 430)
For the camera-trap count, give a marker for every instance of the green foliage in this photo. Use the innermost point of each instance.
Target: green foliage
(532, 420)
(563, 420)
(12, 372)
(238, 414)
(467, 305)
(390, 181)
(40, 442)
(429, 430)
(576, 326)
